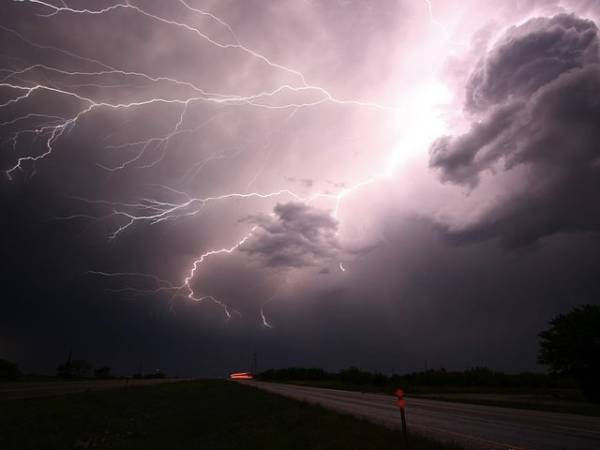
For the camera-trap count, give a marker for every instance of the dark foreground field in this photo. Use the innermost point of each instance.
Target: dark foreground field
(188, 415)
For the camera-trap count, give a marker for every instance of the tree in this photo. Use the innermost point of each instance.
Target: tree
(102, 372)
(8, 370)
(571, 346)
(76, 368)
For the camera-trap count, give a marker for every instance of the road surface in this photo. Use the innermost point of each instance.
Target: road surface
(472, 426)
(32, 389)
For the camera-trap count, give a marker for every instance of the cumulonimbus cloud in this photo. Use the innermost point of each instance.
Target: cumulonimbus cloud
(534, 99)
(295, 235)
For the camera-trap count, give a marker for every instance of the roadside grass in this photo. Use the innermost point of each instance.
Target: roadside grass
(215, 415)
(568, 401)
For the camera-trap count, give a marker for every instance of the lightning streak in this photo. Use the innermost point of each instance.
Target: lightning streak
(71, 85)
(436, 22)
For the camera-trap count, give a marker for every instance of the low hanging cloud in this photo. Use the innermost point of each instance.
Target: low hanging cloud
(534, 99)
(294, 235)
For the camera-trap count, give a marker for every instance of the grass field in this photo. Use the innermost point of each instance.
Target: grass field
(569, 401)
(215, 415)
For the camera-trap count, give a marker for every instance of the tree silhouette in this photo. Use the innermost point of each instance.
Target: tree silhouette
(76, 368)
(102, 372)
(571, 346)
(8, 370)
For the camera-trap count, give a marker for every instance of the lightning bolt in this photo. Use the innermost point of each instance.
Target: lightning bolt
(442, 27)
(28, 81)
(436, 22)
(55, 131)
(263, 317)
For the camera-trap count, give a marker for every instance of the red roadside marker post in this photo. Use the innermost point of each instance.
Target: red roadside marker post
(401, 402)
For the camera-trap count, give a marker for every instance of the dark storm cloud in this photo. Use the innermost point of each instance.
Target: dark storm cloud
(417, 299)
(295, 235)
(535, 98)
(409, 298)
(530, 56)
(49, 303)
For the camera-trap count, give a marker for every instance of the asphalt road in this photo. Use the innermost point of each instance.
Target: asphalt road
(22, 390)
(472, 426)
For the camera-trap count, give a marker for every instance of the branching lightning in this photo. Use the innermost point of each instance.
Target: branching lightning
(24, 83)
(436, 22)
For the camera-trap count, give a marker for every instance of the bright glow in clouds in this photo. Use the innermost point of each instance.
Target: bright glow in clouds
(297, 129)
(422, 121)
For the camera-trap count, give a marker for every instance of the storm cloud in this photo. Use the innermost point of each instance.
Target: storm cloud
(534, 99)
(232, 176)
(295, 235)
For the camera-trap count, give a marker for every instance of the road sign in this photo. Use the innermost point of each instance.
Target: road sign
(401, 402)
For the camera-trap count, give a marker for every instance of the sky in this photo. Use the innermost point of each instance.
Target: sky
(392, 185)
